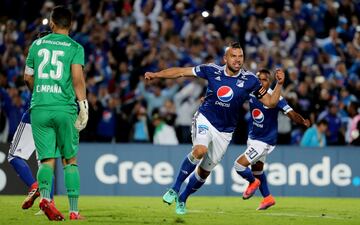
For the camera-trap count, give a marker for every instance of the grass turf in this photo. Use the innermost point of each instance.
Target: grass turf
(201, 210)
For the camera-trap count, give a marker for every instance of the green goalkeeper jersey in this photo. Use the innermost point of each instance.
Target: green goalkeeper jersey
(49, 61)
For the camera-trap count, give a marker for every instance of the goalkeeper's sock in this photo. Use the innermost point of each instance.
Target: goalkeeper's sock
(72, 184)
(23, 170)
(187, 167)
(44, 177)
(195, 182)
(245, 172)
(264, 189)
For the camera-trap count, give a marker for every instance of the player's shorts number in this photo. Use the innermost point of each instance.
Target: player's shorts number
(251, 153)
(54, 55)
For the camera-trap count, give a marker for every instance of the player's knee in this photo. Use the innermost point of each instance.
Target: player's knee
(69, 161)
(199, 151)
(203, 173)
(242, 160)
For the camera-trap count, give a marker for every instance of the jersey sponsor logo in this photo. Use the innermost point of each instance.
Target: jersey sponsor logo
(257, 115)
(202, 129)
(62, 43)
(223, 104)
(225, 93)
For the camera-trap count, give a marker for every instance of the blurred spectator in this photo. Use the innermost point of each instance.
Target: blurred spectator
(353, 128)
(156, 96)
(168, 112)
(315, 135)
(334, 135)
(186, 102)
(164, 134)
(141, 128)
(14, 107)
(89, 134)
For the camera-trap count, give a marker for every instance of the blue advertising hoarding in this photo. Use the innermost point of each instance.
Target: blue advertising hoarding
(148, 170)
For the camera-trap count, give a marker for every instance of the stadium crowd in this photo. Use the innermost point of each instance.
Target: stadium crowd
(316, 42)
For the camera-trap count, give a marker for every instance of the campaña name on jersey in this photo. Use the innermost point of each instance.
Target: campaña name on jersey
(48, 88)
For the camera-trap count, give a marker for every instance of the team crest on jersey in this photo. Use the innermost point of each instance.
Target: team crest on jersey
(225, 93)
(257, 115)
(38, 42)
(202, 129)
(240, 83)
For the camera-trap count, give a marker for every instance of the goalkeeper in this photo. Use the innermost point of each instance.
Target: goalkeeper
(54, 73)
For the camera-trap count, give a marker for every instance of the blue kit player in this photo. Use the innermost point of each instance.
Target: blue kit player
(261, 141)
(228, 87)
(21, 148)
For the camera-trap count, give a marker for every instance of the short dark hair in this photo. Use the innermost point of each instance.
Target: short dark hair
(61, 16)
(235, 45)
(322, 121)
(266, 71)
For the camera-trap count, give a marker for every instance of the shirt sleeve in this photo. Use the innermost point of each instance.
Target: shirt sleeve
(201, 71)
(258, 90)
(79, 57)
(283, 105)
(29, 64)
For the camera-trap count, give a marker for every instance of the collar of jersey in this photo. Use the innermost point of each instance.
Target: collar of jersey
(238, 74)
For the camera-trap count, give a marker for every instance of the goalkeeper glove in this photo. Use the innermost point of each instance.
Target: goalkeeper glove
(83, 116)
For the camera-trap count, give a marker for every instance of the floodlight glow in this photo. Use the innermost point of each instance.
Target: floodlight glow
(45, 21)
(205, 14)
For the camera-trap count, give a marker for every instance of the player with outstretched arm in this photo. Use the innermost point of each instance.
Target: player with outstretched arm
(228, 87)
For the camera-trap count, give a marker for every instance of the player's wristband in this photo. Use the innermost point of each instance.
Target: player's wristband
(83, 105)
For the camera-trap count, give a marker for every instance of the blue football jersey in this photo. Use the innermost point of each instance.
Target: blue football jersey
(264, 121)
(26, 115)
(225, 94)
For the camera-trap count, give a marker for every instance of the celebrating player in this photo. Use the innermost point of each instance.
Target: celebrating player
(262, 140)
(54, 73)
(228, 87)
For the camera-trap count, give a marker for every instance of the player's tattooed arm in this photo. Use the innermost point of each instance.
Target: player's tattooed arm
(273, 99)
(170, 73)
(297, 118)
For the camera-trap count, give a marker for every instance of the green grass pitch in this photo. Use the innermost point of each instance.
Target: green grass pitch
(201, 210)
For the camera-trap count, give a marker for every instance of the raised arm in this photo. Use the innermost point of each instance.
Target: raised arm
(272, 100)
(171, 73)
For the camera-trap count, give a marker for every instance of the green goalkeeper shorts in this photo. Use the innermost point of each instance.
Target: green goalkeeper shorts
(54, 133)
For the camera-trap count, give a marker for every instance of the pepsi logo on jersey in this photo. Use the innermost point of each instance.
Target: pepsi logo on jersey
(257, 115)
(225, 93)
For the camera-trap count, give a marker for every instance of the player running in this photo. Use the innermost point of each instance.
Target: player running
(261, 141)
(54, 73)
(228, 87)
